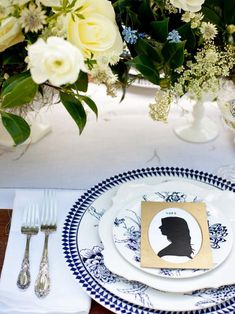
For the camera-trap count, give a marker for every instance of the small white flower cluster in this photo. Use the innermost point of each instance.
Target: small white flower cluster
(207, 29)
(194, 18)
(159, 110)
(104, 75)
(203, 74)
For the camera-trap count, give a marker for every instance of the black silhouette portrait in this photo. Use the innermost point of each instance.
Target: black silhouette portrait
(177, 232)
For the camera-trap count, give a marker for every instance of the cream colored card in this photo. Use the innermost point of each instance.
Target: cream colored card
(175, 235)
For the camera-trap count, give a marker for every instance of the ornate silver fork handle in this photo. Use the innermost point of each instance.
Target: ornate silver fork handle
(42, 285)
(24, 277)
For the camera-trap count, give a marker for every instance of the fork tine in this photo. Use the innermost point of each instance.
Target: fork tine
(31, 215)
(49, 215)
(53, 207)
(24, 220)
(34, 215)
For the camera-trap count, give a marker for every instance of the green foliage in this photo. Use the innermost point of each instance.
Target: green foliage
(82, 82)
(90, 103)
(17, 127)
(74, 105)
(211, 15)
(144, 47)
(173, 54)
(18, 90)
(160, 30)
(188, 36)
(75, 108)
(229, 11)
(146, 67)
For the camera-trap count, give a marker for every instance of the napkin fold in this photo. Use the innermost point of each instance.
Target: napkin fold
(66, 296)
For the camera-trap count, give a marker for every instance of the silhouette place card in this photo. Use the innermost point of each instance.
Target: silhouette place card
(175, 235)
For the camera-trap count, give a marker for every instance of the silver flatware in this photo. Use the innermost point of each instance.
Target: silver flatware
(48, 225)
(30, 227)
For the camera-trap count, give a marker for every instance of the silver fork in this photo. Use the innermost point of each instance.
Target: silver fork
(30, 226)
(48, 225)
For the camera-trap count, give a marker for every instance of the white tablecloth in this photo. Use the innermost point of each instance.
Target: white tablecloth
(124, 137)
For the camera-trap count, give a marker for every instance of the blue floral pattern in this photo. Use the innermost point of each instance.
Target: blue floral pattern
(109, 297)
(132, 235)
(215, 295)
(218, 233)
(94, 261)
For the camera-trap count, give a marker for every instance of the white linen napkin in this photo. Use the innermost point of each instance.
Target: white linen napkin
(66, 296)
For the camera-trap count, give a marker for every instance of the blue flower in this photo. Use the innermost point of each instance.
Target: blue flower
(173, 36)
(130, 35)
(141, 35)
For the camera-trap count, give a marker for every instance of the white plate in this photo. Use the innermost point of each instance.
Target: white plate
(127, 231)
(83, 251)
(138, 81)
(117, 264)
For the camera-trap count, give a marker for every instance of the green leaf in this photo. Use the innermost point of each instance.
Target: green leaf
(12, 81)
(211, 16)
(145, 13)
(75, 109)
(19, 92)
(121, 69)
(146, 67)
(229, 11)
(90, 103)
(160, 30)
(174, 54)
(143, 47)
(82, 82)
(16, 126)
(188, 35)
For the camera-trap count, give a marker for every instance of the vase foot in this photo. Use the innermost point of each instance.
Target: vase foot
(207, 131)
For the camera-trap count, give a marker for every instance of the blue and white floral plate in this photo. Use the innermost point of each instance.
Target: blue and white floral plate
(83, 251)
(127, 234)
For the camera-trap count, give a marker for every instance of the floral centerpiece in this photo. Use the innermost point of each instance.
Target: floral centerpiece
(183, 46)
(54, 45)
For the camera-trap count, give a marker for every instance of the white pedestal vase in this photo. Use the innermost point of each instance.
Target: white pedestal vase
(200, 129)
(227, 109)
(38, 127)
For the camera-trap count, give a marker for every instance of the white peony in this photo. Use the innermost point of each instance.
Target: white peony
(188, 5)
(95, 34)
(56, 60)
(10, 33)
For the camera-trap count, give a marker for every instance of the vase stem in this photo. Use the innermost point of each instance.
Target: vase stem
(201, 129)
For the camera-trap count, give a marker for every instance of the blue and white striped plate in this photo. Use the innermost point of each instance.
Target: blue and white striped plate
(83, 251)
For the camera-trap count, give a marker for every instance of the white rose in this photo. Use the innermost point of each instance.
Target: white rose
(51, 3)
(10, 33)
(103, 7)
(56, 60)
(95, 34)
(188, 5)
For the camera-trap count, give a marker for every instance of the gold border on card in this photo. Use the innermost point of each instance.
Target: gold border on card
(202, 260)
